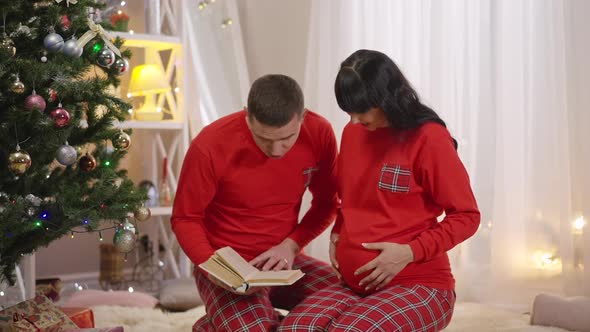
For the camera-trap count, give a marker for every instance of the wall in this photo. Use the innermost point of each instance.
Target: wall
(275, 36)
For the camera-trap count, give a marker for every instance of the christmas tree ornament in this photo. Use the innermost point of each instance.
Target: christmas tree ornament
(122, 66)
(124, 240)
(17, 86)
(66, 155)
(35, 102)
(44, 57)
(83, 123)
(121, 141)
(61, 116)
(52, 95)
(87, 163)
(19, 161)
(129, 226)
(7, 49)
(33, 200)
(68, 2)
(152, 193)
(97, 30)
(106, 57)
(53, 42)
(65, 22)
(142, 214)
(31, 211)
(72, 49)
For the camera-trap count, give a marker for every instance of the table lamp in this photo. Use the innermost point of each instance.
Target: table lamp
(148, 80)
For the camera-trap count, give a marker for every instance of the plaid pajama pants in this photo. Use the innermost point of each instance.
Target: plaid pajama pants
(227, 311)
(397, 308)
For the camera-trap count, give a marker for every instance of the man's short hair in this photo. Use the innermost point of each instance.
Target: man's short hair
(274, 100)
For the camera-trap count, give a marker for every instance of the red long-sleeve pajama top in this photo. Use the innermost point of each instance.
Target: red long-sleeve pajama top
(231, 194)
(393, 186)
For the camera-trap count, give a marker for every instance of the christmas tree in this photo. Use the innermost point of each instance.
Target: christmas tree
(59, 142)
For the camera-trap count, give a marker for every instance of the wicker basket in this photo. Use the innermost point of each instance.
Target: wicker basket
(111, 267)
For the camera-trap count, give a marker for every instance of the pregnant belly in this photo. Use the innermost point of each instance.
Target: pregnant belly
(350, 258)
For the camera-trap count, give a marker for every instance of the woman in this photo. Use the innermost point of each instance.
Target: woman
(398, 172)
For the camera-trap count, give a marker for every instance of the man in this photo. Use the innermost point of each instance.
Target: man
(241, 186)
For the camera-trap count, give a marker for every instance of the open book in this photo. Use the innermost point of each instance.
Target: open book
(234, 271)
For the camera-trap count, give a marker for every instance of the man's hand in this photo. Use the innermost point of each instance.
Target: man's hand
(333, 242)
(279, 257)
(219, 283)
(393, 258)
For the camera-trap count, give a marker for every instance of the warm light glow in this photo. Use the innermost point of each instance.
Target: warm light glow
(1, 293)
(579, 224)
(130, 111)
(158, 109)
(119, 12)
(130, 289)
(123, 3)
(489, 224)
(129, 95)
(177, 89)
(148, 79)
(544, 260)
(131, 32)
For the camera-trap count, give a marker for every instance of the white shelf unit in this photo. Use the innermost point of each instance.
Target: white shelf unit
(168, 138)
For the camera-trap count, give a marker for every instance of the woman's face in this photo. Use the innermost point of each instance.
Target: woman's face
(372, 119)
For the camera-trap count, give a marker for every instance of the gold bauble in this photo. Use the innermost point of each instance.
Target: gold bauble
(121, 141)
(142, 214)
(17, 87)
(19, 162)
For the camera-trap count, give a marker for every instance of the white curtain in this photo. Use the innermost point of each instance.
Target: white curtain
(216, 75)
(510, 79)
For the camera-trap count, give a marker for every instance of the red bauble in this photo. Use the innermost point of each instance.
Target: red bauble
(65, 22)
(60, 116)
(35, 102)
(87, 163)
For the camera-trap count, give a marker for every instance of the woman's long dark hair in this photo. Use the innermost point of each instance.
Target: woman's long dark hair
(369, 79)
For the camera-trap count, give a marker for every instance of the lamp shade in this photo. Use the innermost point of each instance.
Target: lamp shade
(148, 79)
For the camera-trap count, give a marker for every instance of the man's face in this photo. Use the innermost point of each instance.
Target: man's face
(275, 142)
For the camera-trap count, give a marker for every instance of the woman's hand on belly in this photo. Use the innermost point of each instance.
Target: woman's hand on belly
(392, 259)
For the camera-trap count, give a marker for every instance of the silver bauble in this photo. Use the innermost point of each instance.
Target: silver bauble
(124, 240)
(53, 42)
(121, 141)
(152, 193)
(66, 155)
(34, 200)
(129, 226)
(106, 57)
(72, 49)
(122, 66)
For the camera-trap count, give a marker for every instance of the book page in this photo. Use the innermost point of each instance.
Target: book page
(232, 259)
(222, 273)
(285, 277)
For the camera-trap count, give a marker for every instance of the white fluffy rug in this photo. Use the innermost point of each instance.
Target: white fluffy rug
(467, 317)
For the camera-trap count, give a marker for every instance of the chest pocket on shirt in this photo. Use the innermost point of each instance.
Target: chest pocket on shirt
(308, 175)
(395, 178)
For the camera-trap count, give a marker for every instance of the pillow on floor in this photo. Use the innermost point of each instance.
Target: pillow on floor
(91, 298)
(179, 294)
